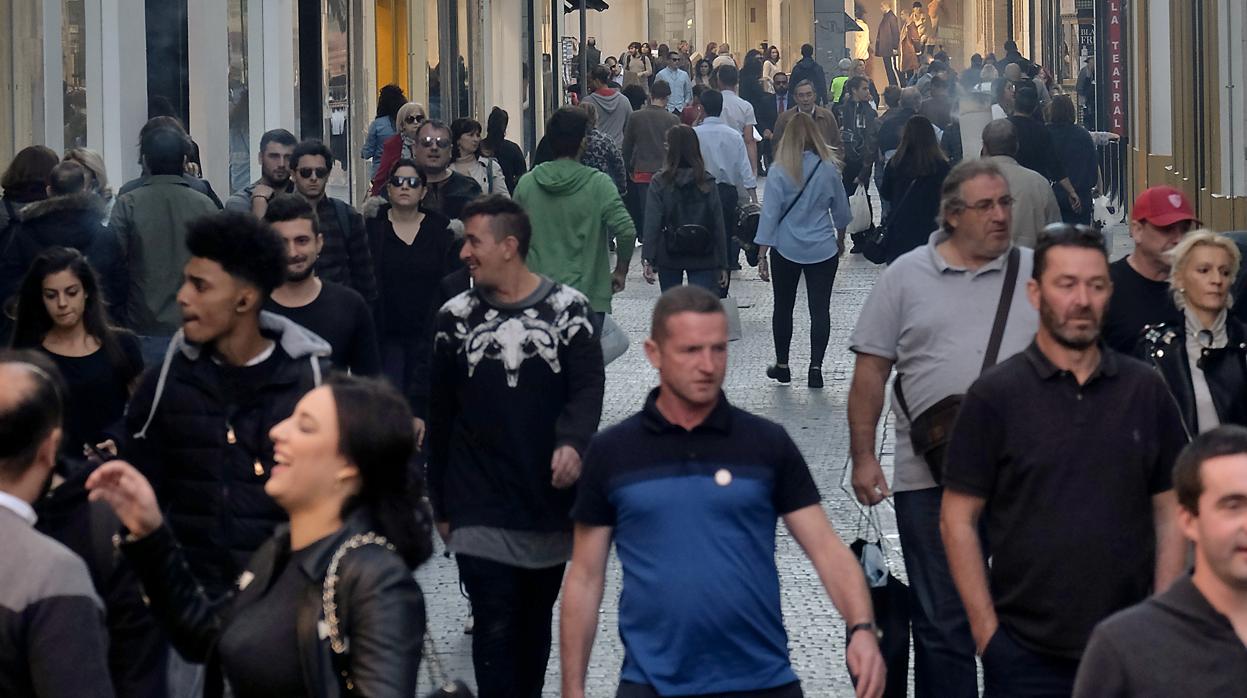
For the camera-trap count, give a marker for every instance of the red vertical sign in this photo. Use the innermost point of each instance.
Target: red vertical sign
(1116, 69)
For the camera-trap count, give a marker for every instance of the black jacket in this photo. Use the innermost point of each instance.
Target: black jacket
(912, 218)
(206, 449)
(449, 196)
(1225, 370)
(667, 207)
(137, 648)
(73, 220)
(379, 605)
(808, 69)
(346, 257)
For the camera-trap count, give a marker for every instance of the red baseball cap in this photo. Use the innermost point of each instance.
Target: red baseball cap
(1162, 206)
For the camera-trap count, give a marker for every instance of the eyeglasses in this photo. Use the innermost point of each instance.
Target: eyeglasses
(1004, 202)
(430, 141)
(411, 182)
(319, 172)
(414, 118)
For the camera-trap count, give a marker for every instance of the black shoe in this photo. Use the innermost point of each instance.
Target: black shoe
(783, 375)
(816, 377)
(751, 255)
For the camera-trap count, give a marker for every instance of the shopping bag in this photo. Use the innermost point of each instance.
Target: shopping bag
(614, 340)
(859, 204)
(734, 329)
(890, 597)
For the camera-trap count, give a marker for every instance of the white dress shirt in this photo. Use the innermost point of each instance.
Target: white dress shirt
(723, 151)
(737, 113)
(18, 506)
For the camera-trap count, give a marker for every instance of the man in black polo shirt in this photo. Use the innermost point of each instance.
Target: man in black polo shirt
(689, 490)
(1068, 448)
(1192, 639)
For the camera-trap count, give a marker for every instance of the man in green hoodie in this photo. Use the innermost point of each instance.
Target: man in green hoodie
(575, 210)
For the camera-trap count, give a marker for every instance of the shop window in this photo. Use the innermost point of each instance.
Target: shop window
(239, 101)
(73, 52)
(392, 45)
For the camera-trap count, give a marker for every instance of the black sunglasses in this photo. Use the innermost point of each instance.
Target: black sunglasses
(414, 118)
(411, 182)
(430, 141)
(307, 172)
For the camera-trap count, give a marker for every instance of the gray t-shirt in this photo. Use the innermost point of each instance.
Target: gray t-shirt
(933, 321)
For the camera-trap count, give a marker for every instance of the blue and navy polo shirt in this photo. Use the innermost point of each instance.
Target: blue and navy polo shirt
(694, 516)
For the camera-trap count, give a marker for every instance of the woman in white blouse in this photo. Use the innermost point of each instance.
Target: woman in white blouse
(465, 138)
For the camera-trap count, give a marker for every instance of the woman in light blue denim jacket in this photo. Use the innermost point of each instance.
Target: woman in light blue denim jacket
(383, 127)
(797, 235)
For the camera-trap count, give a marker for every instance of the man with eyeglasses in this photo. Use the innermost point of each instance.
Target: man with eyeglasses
(1158, 220)
(932, 315)
(346, 258)
(1062, 456)
(1034, 204)
(275, 149)
(447, 191)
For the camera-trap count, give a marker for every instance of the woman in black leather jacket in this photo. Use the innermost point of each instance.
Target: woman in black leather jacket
(1203, 362)
(328, 607)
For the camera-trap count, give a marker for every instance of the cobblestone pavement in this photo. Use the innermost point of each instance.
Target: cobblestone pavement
(816, 419)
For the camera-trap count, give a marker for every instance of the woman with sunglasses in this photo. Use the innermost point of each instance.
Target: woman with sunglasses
(390, 100)
(328, 606)
(414, 249)
(400, 145)
(467, 160)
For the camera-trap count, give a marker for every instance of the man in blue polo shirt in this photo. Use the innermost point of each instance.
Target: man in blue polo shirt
(689, 490)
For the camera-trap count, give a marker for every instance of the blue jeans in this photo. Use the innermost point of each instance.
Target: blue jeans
(706, 278)
(1013, 671)
(943, 647)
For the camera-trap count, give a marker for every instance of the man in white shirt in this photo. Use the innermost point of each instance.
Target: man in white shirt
(728, 162)
(681, 84)
(738, 113)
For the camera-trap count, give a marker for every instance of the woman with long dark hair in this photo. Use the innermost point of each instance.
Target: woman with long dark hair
(24, 181)
(770, 67)
(61, 312)
(507, 153)
(414, 249)
(382, 128)
(701, 74)
(796, 237)
(467, 160)
(911, 185)
(1077, 152)
(328, 606)
(684, 231)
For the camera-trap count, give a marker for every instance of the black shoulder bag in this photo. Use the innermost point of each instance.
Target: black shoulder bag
(808, 177)
(930, 431)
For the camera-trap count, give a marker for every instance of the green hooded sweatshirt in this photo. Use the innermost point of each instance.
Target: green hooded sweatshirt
(574, 211)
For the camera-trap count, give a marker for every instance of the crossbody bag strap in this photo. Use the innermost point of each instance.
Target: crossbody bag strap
(1002, 309)
(808, 177)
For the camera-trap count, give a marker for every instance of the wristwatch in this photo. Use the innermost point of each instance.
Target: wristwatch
(874, 630)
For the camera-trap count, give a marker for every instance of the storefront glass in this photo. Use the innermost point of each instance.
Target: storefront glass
(73, 47)
(336, 115)
(392, 44)
(239, 101)
(433, 57)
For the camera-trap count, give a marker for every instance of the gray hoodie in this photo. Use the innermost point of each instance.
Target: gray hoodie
(613, 112)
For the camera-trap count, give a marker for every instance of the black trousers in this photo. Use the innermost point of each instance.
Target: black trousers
(634, 201)
(785, 276)
(511, 612)
(891, 67)
(728, 197)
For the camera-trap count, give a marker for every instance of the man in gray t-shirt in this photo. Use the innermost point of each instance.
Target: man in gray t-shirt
(930, 315)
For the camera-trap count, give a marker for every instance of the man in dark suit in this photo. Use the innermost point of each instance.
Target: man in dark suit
(888, 42)
(594, 54)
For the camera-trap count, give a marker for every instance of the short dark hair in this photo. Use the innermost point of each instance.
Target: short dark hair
(289, 207)
(892, 96)
(67, 178)
(1000, 138)
(245, 247)
(681, 299)
(728, 75)
(1225, 440)
(1026, 99)
(278, 135)
(937, 84)
(311, 146)
(164, 150)
(32, 164)
(854, 83)
(807, 50)
(566, 130)
(1061, 110)
(661, 89)
(506, 219)
(1011, 45)
(434, 123)
(458, 128)
(1065, 235)
(34, 413)
(712, 102)
(600, 73)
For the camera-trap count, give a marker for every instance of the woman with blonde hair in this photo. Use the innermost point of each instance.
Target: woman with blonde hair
(401, 145)
(1203, 360)
(93, 163)
(796, 236)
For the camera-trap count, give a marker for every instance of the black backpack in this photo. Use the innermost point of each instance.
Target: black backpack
(687, 227)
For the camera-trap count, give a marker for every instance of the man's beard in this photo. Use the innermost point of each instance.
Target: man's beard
(1047, 316)
(296, 277)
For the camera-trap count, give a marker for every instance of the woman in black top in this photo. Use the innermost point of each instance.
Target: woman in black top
(414, 250)
(328, 606)
(911, 185)
(1077, 152)
(60, 311)
(507, 153)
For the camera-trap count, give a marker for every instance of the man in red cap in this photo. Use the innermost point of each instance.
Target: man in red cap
(1159, 219)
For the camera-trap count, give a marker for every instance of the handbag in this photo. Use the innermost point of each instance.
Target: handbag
(688, 240)
(930, 431)
(614, 340)
(340, 646)
(890, 598)
(873, 242)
